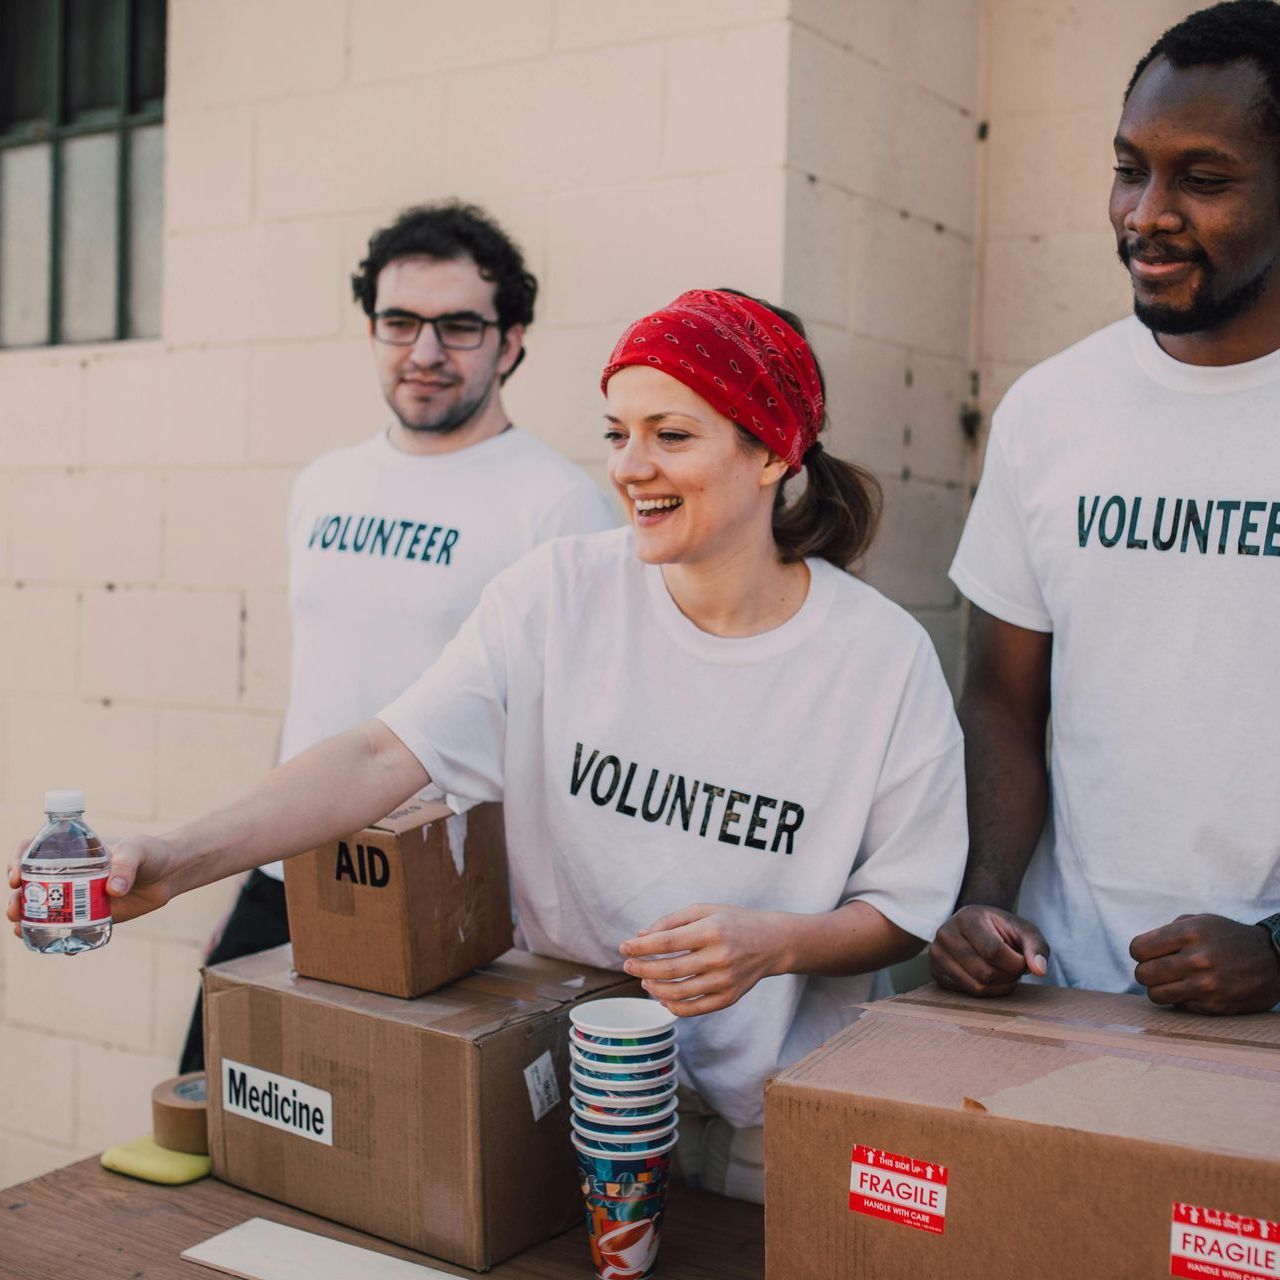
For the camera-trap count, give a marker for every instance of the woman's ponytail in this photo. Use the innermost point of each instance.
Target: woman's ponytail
(835, 518)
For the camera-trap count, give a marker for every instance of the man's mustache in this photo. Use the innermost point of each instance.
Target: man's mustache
(1146, 249)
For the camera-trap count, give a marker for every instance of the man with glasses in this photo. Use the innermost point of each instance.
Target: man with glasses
(393, 540)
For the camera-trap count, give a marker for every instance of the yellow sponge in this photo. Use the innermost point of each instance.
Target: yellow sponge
(142, 1158)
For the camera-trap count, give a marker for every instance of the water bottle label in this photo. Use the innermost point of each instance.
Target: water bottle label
(65, 902)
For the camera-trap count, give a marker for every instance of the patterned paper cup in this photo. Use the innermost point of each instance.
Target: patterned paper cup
(604, 1088)
(632, 1117)
(624, 1235)
(629, 1058)
(609, 1136)
(625, 1200)
(630, 1142)
(584, 1146)
(609, 1044)
(636, 1068)
(607, 1174)
(622, 1017)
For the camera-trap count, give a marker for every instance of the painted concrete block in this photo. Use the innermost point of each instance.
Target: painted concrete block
(242, 50)
(113, 1093)
(161, 645)
(918, 536)
(184, 407)
(410, 39)
(41, 409)
(584, 23)
(225, 527)
(266, 650)
(350, 149)
(104, 996)
(526, 121)
(307, 398)
(209, 168)
(1041, 295)
(107, 751)
(40, 638)
(706, 127)
(616, 254)
(40, 1072)
(208, 758)
(86, 526)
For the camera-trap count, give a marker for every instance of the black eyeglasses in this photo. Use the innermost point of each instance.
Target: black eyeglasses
(459, 332)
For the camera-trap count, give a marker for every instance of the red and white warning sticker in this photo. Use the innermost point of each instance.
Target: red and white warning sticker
(899, 1188)
(1223, 1246)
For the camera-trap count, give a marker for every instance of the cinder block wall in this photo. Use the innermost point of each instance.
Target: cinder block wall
(820, 152)
(881, 212)
(1054, 83)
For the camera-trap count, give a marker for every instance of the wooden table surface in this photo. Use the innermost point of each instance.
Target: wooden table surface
(83, 1223)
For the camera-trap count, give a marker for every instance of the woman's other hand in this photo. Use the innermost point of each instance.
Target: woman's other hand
(707, 957)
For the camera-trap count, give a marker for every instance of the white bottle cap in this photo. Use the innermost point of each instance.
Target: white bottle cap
(64, 802)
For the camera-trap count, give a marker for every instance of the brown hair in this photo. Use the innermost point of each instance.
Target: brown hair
(836, 516)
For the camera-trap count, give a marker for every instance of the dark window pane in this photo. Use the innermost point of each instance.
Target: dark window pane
(24, 246)
(25, 32)
(148, 52)
(94, 57)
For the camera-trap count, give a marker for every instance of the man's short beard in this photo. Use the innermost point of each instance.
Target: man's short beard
(458, 417)
(1206, 312)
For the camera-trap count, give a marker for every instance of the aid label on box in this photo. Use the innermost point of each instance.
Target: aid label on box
(899, 1188)
(1223, 1246)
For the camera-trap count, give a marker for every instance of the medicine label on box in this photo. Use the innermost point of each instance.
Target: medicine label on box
(898, 1188)
(277, 1101)
(544, 1089)
(1224, 1246)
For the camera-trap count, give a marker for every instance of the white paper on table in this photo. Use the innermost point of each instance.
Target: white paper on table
(262, 1250)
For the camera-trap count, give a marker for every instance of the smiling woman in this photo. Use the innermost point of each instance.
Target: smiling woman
(730, 769)
(762, 385)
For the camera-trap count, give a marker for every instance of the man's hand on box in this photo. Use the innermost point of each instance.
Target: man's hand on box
(1208, 964)
(712, 955)
(985, 951)
(140, 879)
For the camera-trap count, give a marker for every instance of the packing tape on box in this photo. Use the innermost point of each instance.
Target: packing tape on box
(179, 1114)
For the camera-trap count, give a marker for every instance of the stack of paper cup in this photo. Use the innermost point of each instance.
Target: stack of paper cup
(623, 1070)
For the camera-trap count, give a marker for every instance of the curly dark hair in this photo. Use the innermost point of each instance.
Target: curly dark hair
(451, 229)
(1228, 32)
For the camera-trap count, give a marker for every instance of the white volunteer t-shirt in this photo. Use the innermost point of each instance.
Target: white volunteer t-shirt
(1130, 504)
(389, 552)
(647, 766)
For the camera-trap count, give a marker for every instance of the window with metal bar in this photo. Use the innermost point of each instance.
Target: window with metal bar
(81, 169)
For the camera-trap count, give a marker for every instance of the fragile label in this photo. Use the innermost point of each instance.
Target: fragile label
(277, 1101)
(544, 1088)
(1223, 1246)
(66, 902)
(899, 1188)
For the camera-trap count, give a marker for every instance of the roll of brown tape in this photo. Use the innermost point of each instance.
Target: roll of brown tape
(179, 1116)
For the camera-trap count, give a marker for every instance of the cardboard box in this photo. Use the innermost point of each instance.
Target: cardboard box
(1048, 1135)
(406, 905)
(441, 1123)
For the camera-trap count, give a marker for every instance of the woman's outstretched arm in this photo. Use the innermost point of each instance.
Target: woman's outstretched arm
(338, 786)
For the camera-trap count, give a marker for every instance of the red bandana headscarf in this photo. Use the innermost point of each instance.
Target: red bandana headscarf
(740, 357)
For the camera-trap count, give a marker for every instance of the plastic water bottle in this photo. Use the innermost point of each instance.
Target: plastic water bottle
(65, 909)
